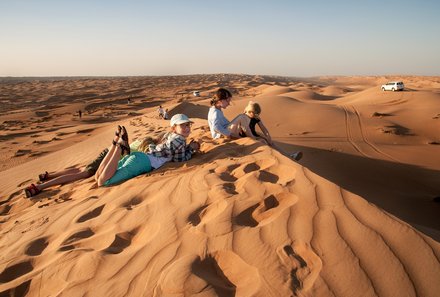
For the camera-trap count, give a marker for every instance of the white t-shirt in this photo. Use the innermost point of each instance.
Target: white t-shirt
(157, 162)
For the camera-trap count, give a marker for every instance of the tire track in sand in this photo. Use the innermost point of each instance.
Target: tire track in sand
(356, 135)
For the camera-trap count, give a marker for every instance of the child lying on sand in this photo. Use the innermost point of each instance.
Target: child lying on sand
(50, 179)
(173, 148)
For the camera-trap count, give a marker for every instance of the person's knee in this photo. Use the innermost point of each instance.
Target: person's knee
(100, 181)
(96, 177)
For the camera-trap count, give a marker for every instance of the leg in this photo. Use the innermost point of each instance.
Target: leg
(107, 155)
(63, 172)
(64, 179)
(238, 125)
(294, 156)
(108, 166)
(110, 151)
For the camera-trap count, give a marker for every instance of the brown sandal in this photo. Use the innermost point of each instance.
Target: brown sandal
(118, 132)
(43, 176)
(124, 145)
(125, 148)
(31, 191)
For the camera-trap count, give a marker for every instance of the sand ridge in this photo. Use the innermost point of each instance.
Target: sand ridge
(240, 219)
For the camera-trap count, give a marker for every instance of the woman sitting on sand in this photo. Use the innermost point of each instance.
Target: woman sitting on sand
(217, 122)
(244, 125)
(50, 179)
(173, 148)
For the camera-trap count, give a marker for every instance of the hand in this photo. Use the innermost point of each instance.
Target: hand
(195, 145)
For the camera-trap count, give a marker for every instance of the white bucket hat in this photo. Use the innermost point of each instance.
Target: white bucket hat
(178, 119)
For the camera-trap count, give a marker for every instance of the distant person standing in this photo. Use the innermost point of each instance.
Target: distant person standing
(80, 113)
(165, 114)
(160, 111)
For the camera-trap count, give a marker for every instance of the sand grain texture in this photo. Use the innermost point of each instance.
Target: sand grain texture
(353, 218)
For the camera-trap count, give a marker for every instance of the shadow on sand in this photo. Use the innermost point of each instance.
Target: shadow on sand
(404, 190)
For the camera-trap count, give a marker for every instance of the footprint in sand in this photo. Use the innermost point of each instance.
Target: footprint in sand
(20, 290)
(222, 273)
(139, 236)
(227, 274)
(302, 264)
(227, 177)
(120, 243)
(131, 203)
(229, 188)
(266, 176)
(266, 211)
(206, 213)
(91, 214)
(176, 277)
(251, 167)
(15, 194)
(4, 210)
(225, 172)
(43, 205)
(15, 271)
(36, 247)
(68, 243)
(65, 197)
(231, 168)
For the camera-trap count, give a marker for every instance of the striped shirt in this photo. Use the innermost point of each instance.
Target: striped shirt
(173, 146)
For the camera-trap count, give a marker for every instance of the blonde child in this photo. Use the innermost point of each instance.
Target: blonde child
(172, 148)
(244, 125)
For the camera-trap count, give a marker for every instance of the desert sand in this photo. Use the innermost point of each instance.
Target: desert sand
(355, 217)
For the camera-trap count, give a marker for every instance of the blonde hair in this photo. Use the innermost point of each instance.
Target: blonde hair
(145, 144)
(254, 107)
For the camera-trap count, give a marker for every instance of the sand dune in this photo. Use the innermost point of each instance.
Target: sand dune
(354, 217)
(334, 91)
(276, 90)
(308, 95)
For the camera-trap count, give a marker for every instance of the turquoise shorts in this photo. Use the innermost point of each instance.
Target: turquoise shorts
(130, 166)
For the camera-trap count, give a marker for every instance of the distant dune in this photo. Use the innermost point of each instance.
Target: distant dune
(356, 216)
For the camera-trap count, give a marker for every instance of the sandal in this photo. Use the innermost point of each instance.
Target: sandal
(125, 148)
(118, 132)
(43, 176)
(124, 134)
(31, 191)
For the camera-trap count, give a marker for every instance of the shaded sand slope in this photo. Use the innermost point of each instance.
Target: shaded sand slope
(286, 116)
(238, 220)
(308, 95)
(380, 145)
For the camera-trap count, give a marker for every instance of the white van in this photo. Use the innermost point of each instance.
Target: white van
(393, 86)
(196, 94)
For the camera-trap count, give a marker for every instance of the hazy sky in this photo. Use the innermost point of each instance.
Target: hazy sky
(160, 37)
